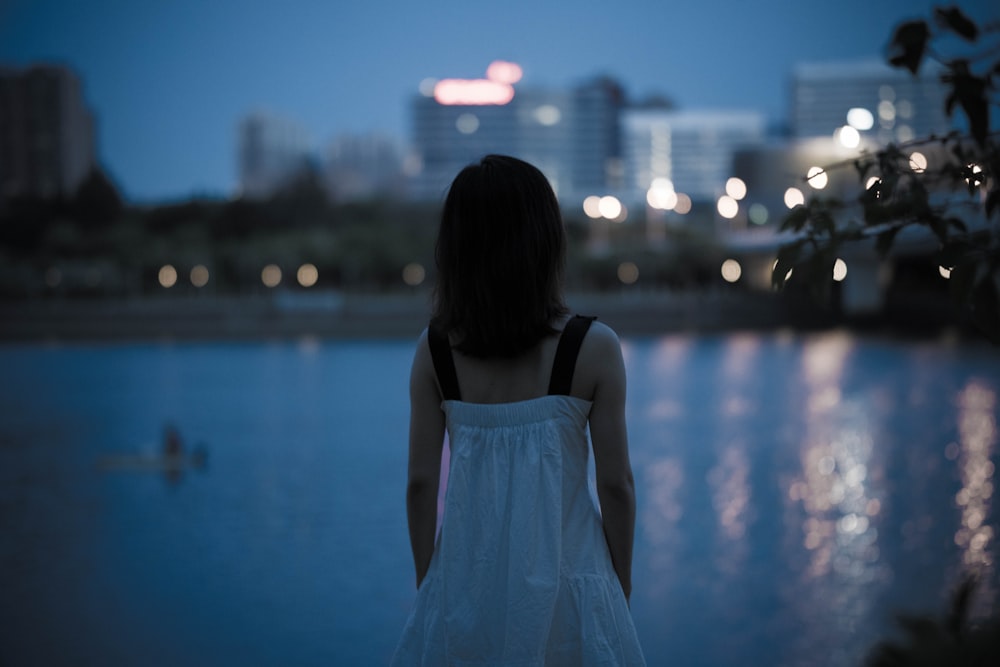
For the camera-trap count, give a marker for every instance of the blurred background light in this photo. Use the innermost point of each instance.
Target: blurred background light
(736, 188)
(731, 270)
(271, 275)
(628, 272)
(307, 275)
(816, 177)
(199, 275)
(794, 197)
(167, 275)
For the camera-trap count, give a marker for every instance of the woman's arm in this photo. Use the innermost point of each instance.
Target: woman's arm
(615, 485)
(426, 441)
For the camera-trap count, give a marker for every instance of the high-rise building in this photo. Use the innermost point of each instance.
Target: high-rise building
(882, 103)
(571, 135)
(47, 144)
(693, 149)
(272, 152)
(360, 166)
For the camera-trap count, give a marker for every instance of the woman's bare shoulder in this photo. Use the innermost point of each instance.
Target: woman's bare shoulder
(601, 340)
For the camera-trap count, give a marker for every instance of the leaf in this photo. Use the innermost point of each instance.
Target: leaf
(796, 218)
(884, 241)
(906, 49)
(957, 224)
(788, 257)
(953, 19)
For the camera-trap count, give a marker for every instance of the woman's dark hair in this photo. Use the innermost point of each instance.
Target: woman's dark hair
(500, 256)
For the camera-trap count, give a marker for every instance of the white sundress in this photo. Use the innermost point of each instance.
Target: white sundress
(521, 573)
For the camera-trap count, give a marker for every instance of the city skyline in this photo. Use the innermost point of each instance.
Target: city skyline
(169, 85)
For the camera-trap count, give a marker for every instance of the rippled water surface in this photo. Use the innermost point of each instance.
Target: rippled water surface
(794, 492)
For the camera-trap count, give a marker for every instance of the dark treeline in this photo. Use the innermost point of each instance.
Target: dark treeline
(94, 244)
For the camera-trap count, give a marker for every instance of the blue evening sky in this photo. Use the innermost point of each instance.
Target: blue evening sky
(170, 80)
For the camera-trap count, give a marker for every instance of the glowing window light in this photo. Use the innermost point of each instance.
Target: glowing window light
(727, 207)
(817, 178)
(683, 205)
(872, 180)
(167, 276)
(472, 92)
(592, 206)
(502, 71)
(758, 214)
(736, 188)
(467, 123)
(307, 275)
(628, 273)
(609, 207)
(839, 270)
(413, 274)
(860, 119)
(199, 276)
(731, 270)
(848, 137)
(794, 197)
(918, 162)
(271, 275)
(944, 272)
(548, 115)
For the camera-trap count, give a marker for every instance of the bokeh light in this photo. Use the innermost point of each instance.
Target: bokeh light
(860, 118)
(592, 206)
(727, 207)
(817, 178)
(944, 272)
(307, 275)
(628, 272)
(467, 123)
(413, 274)
(199, 275)
(271, 275)
(918, 162)
(548, 115)
(794, 197)
(503, 71)
(758, 214)
(683, 205)
(839, 270)
(609, 207)
(731, 270)
(167, 275)
(736, 188)
(848, 137)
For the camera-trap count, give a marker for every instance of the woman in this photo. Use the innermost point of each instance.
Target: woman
(526, 570)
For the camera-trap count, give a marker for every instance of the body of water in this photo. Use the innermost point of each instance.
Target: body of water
(794, 493)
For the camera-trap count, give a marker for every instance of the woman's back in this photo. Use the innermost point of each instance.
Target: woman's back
(521, 558)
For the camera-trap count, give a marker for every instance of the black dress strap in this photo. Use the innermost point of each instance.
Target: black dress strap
(561, 380)
(444, 364)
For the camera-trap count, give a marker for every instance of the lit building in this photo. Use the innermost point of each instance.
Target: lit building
(47, 144)
(692, 149)
(272, 152)
(881, 103)
(360, 166)
(571, 135)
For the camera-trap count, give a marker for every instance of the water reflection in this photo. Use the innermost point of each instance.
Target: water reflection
(978, 432)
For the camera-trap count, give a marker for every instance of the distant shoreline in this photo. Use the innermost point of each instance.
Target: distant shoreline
(338, 315)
